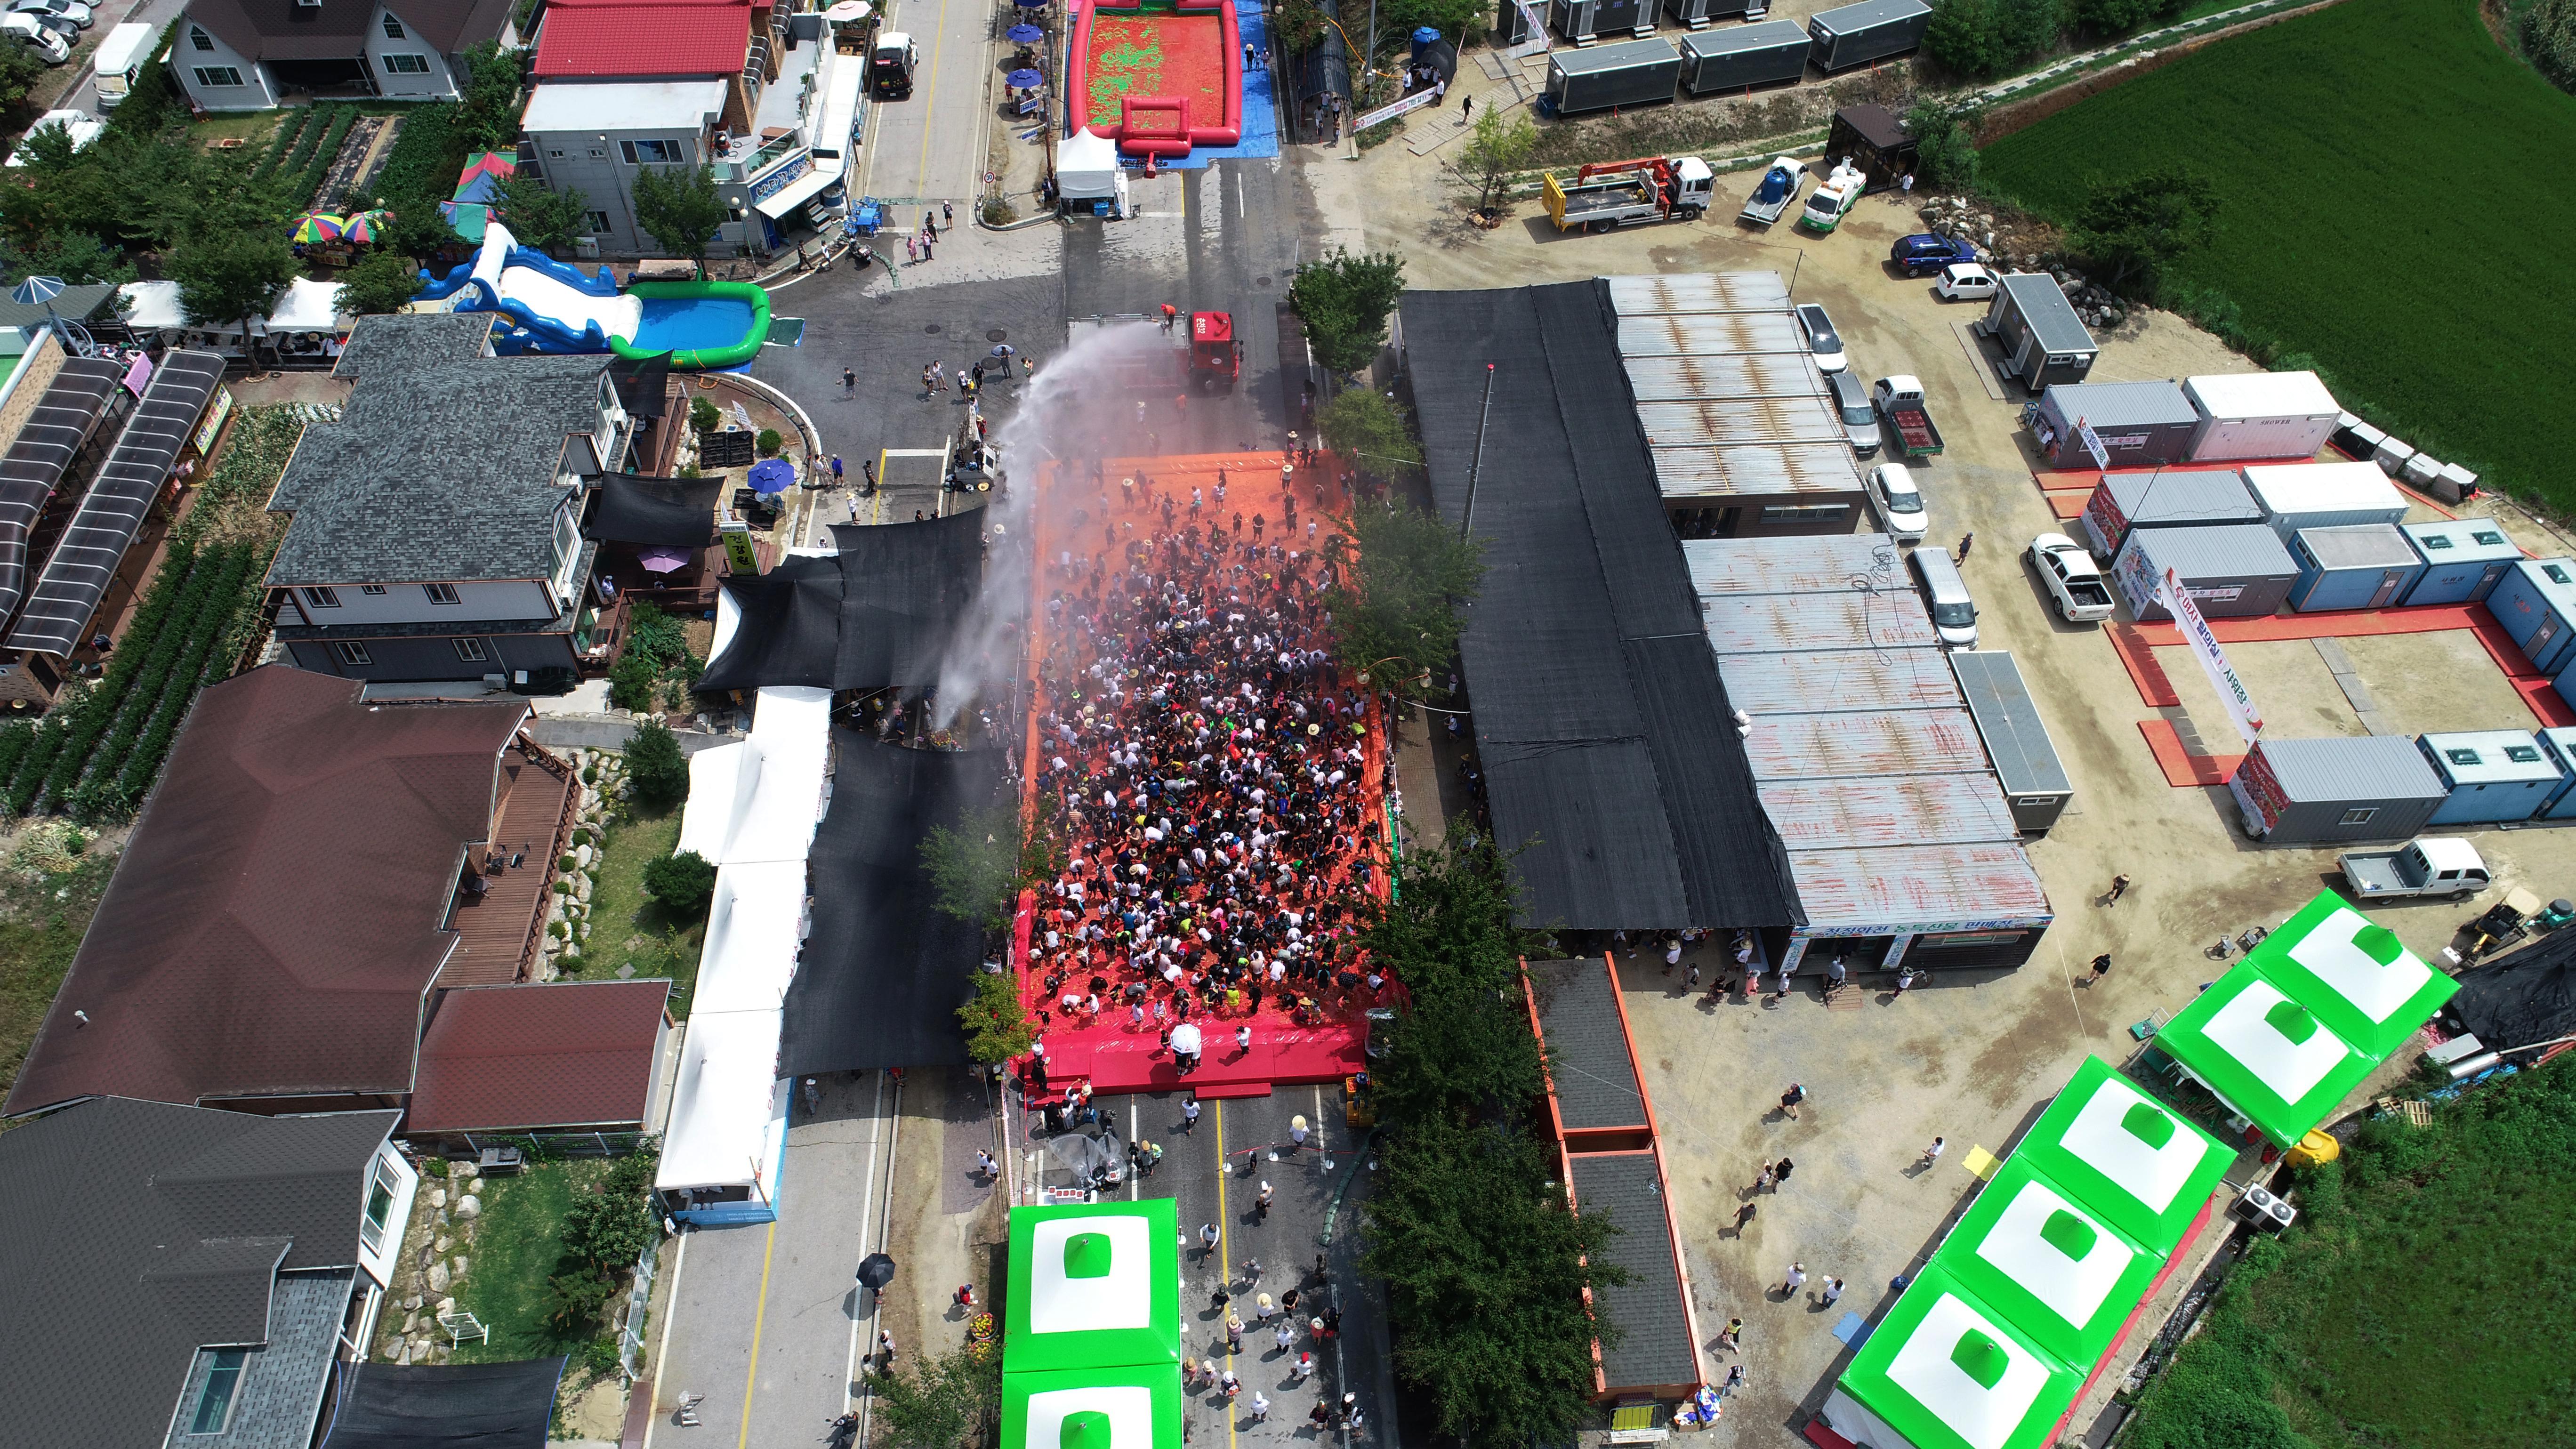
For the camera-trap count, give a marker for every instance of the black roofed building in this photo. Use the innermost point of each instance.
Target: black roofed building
(437, 529)
(249, 55)
(175, 1275)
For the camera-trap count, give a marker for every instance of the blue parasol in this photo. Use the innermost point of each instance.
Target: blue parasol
(772, 475)
(1024, 34)
(36, 289)
(1023, 80)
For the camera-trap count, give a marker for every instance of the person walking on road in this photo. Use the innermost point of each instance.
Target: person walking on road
(1905, 981)
(1190, 1117)
(1209, 1237)
(849, 382)
(1466, 109)
(1260, 1408)
(948, 214)
(885, 1352)
(1790, 1099)
(1780, 1175)
(1796, 1280)
(1296, 1132)
(1932, 1154)
(1965, 541)
(2119, 888)
(2101, 968)
(1833, 1291)
(1769, 1174)
(985, 1164)
(1261, 1205)
(1731, 1337)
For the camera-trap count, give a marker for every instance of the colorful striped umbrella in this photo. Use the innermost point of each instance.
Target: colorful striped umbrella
(367, 227)
(317, 226)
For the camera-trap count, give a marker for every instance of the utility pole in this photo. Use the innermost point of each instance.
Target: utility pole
(1476, 467)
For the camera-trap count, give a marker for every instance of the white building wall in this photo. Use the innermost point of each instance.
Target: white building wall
(438, 82)
(257, 92)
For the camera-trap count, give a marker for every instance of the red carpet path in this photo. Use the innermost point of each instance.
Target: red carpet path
(1109, 1053)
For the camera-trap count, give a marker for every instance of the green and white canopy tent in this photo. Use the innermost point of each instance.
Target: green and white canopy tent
(1094, 1286)
(2354, 974)
(1136, 1406)
(1944, 1371)
(2265, 1054)
(2050, 1265)
(2129, 1159)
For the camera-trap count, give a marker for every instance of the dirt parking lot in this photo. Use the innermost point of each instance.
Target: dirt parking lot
(1969, 1059)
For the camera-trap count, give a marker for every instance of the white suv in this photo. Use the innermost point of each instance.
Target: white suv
(2083, 595)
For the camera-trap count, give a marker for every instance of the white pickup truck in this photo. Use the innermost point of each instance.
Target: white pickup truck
(2434, 865)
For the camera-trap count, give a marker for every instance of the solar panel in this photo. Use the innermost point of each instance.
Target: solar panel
(86, 559)
(62, 421)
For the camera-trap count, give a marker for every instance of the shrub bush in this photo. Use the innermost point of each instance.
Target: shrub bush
(682, 885)
(654, 764)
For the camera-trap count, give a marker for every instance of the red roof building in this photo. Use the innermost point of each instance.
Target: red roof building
(570, 1056)
(666, 39)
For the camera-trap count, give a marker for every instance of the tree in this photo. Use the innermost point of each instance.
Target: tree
(1965, 38)
(680, 209)
(1366, 430)
(682, 885)
(385, 282)
(977, 869)
(489, 114)
(2136, 227)
(541, 218)
(230, 276)
(944, 1402)
(2026, 27)
(1945, 157)
(1344, 301)
(996, 1021)
(74, 256)
(655, 766)
(20, 70)
(2549, 38)
(1499, 148)
(1395, 605)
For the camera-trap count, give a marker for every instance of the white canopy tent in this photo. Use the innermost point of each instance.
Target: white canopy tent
(760, 800)
(307, 306)
(728, 1129)
(1086, 167)
(754, 929)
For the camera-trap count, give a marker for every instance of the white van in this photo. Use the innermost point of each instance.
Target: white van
(120, 58)
(45, 43)
(1945, 594)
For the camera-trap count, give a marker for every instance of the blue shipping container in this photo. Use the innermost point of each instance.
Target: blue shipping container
(2535, 601)
(2356, 566)
(2558, 742)
(2463, 559)
(2493, 775)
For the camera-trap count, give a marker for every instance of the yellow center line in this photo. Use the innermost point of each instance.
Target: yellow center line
(930, 93)
(759, 1312)
(1225, 1250)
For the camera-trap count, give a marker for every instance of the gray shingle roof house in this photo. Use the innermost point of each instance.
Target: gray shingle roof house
(437, 524)
(174, 1275)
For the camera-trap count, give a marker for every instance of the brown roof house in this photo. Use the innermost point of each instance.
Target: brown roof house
(311, 869)
(250, 55)
(560, 1058)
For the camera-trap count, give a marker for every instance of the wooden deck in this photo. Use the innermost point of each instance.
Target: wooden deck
(532, 825)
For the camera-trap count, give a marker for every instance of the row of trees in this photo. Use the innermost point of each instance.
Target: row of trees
(1979, 39)
(2549, 39)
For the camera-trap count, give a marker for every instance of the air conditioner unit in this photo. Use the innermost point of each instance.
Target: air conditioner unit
(2265, 1211)
(586, 248)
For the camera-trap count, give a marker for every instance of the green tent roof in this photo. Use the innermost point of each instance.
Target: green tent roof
(1135, 1406)
(2265, 1054)
(1947, 1372)
(2136, 1163)
(2053, 1267)
(1093, 1286)
(2354, 974)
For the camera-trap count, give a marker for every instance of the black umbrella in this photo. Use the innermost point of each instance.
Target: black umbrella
(875, 1271)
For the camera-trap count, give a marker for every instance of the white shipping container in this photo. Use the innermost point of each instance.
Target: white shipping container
(2294, 496)
(2260, 415)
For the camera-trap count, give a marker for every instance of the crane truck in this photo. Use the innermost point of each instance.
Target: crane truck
(1829, 203)
(1651, 188)
(1779, 188)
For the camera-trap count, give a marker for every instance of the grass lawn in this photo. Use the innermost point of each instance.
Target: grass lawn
(2422, 1299)
(2375, 215)
(251, 128)
(514, 1253)
(41, 924)
(626, 927)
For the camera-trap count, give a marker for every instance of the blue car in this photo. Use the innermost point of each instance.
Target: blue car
(1927, 252)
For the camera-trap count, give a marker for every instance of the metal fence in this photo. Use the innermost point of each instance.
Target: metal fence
(639, 1302)
(541, 1147)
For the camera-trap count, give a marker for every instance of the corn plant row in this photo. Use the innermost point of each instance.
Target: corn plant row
(329, 151)
(121, 777)
(116, 696)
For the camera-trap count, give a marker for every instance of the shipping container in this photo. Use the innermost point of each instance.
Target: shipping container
(1911, 810)
(2355, 439)
(2357, 566)
(2463, 559)
(1741, 57)
(2558, 742)
(1889, 618)
(2493, 776)
(2322, 495)
(2237, 570)
(2454, 484)
(1583, 21)
(1789, 566)
(1695, 292)
(2535, 601)
(1696, 14)
(1718, 423)
(2140, 424)
(1870, 745)
(1871, 138)
(1845, 678)
(1872, 30)
(2123, 501)
(2025, 760)
(2043, 341)
(1804, 470)
(1631, 73)
(2260, 415)
(2338, 791)
(1686, 335)
(1704, 378)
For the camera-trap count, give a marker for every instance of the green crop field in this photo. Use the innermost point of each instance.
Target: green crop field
(2395, 204)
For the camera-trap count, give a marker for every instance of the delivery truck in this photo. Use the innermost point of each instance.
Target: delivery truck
(1606, 194)
(1777, 189)
(1899, 399)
